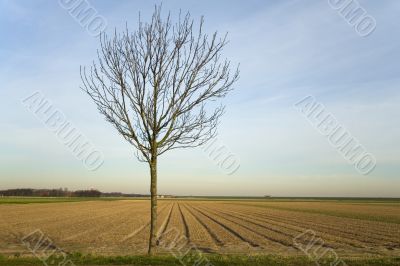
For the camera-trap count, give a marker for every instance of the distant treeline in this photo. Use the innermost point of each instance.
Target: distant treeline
(29, 192)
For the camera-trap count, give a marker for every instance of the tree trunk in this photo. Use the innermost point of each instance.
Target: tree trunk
(153, 191)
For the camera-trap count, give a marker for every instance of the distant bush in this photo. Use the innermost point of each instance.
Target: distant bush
(29, 192)
(87, 193)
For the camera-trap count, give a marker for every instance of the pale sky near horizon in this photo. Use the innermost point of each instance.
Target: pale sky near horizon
(286, 49)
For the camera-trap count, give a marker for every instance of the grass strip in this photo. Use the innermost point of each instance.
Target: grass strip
(215, 260)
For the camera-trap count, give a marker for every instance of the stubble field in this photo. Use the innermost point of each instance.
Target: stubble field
(350, 229)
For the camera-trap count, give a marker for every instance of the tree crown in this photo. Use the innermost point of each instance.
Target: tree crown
(153, 84)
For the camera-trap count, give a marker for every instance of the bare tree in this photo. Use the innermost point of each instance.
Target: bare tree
(153, 84)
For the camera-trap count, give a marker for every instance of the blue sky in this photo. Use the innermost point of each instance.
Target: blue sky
(286, 49)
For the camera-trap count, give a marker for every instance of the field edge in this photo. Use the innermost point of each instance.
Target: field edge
(213, 259)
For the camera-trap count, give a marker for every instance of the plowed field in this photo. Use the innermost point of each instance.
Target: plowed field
(122, 227)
